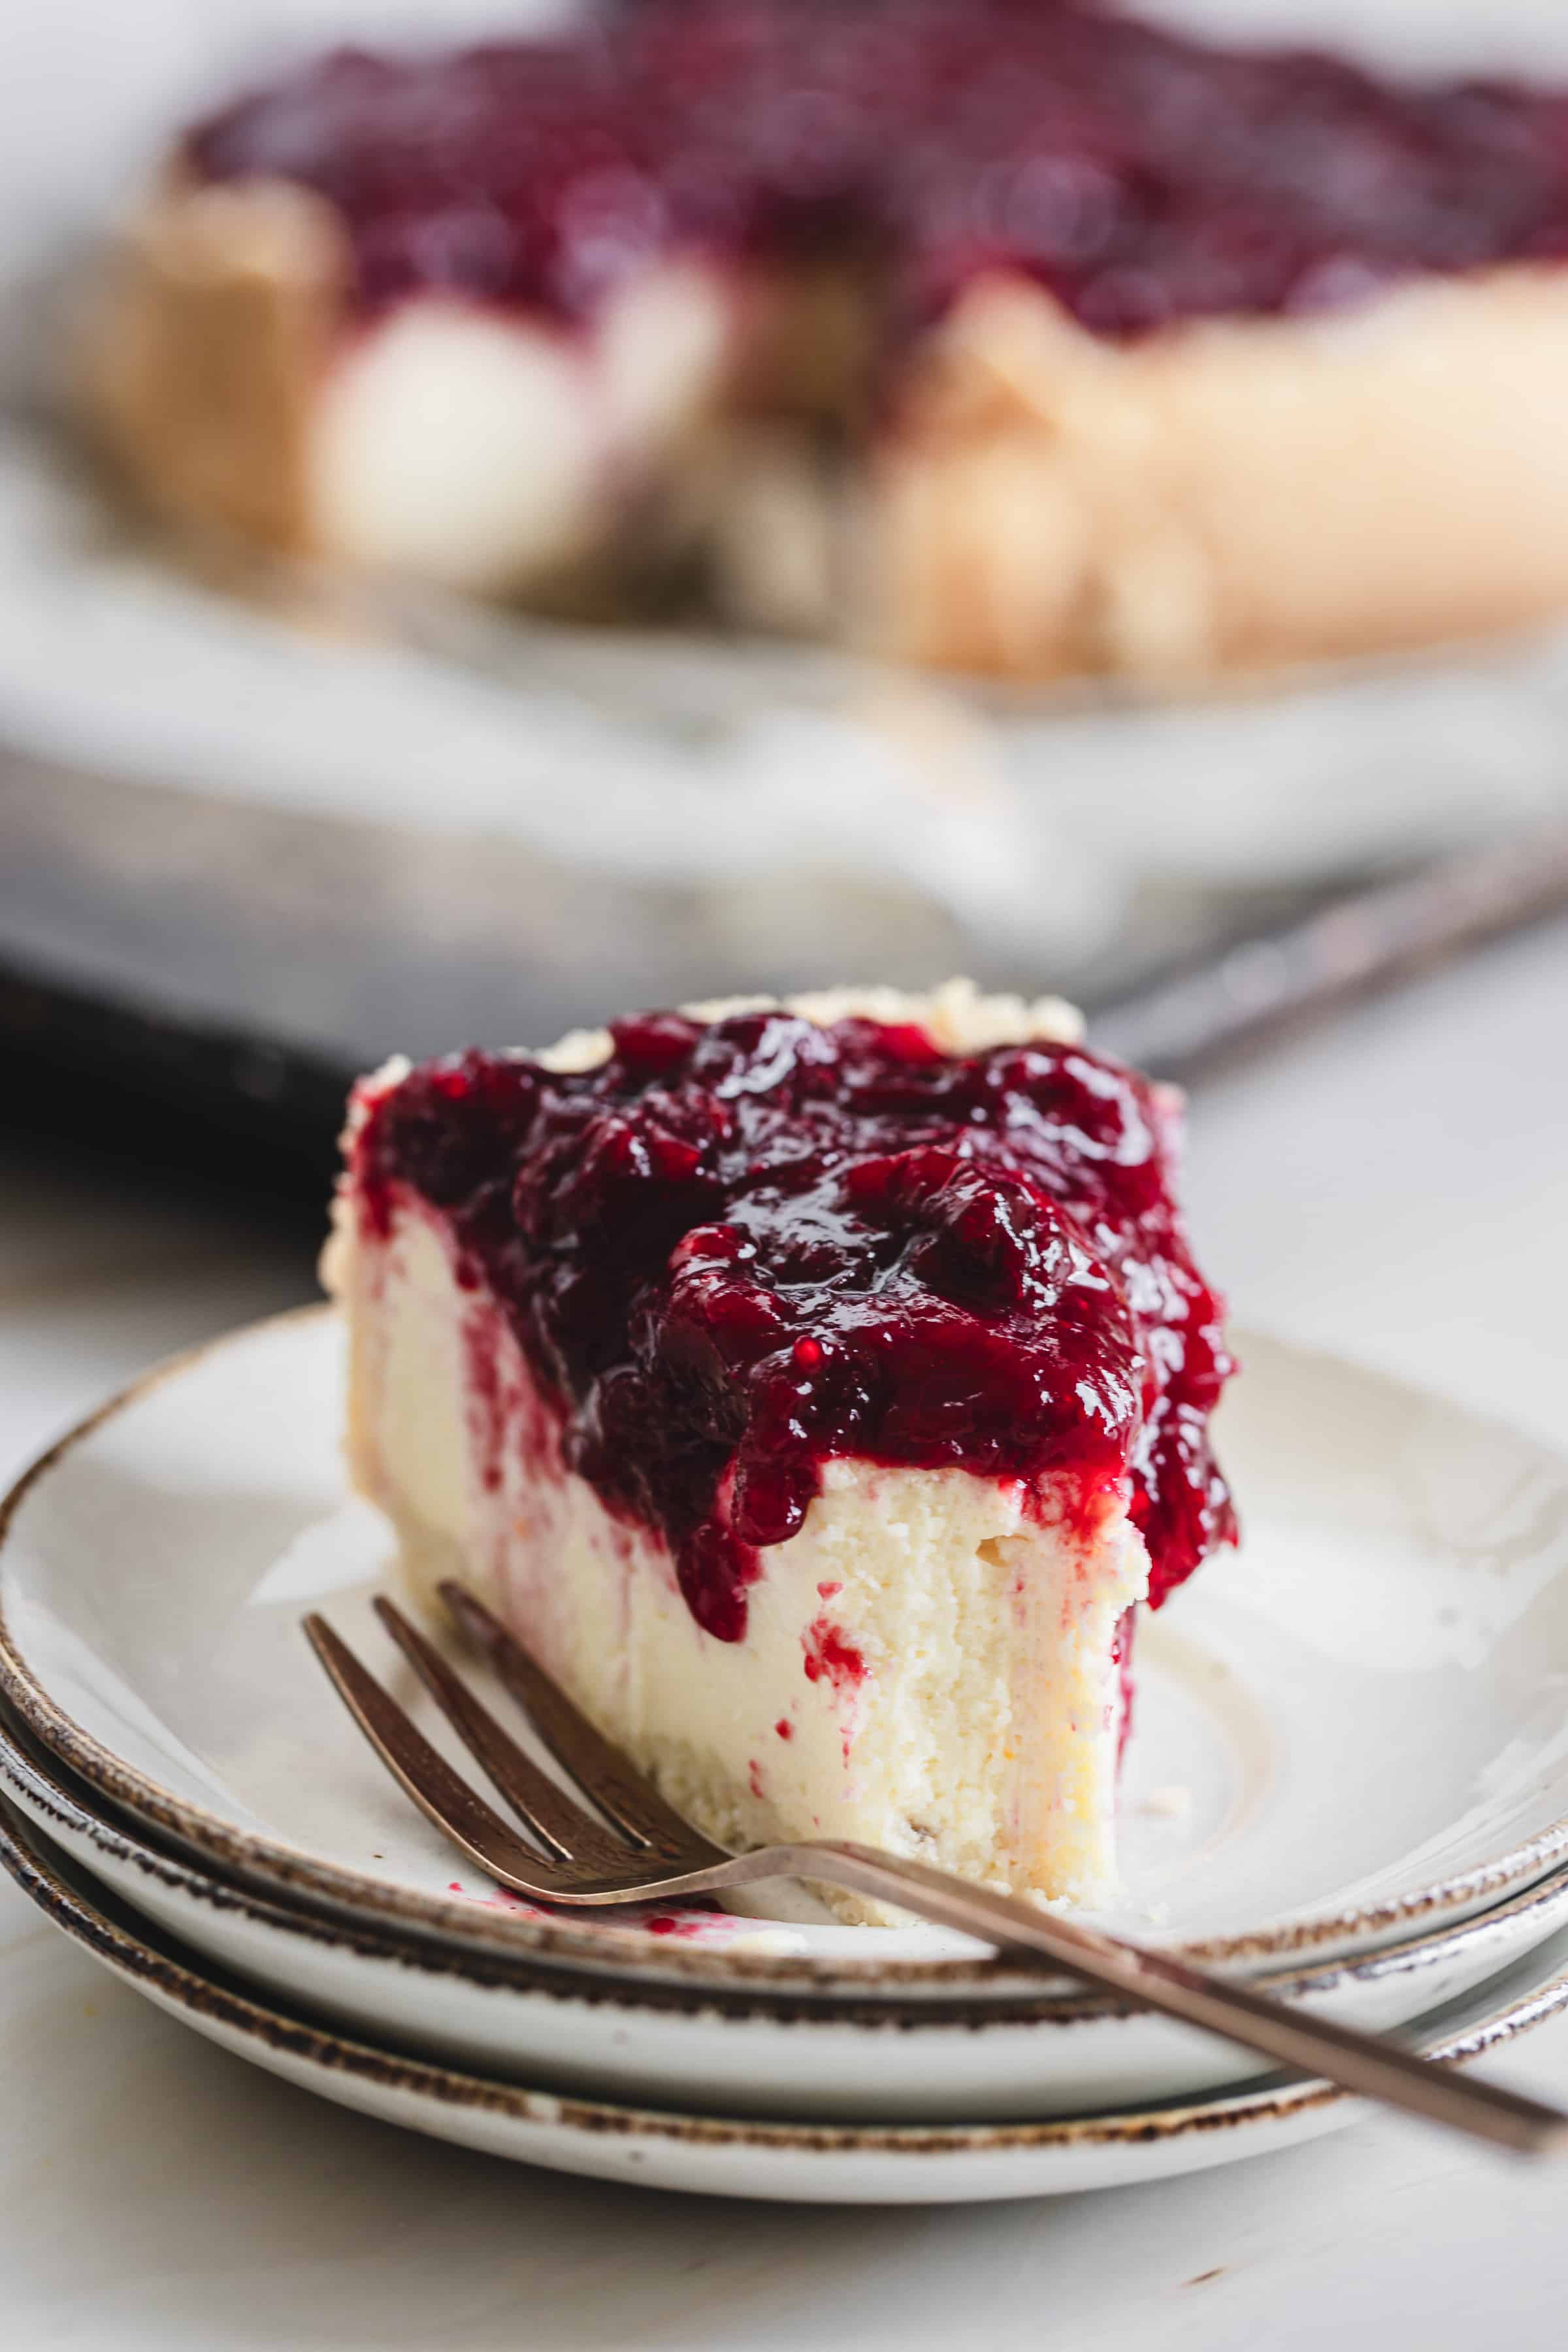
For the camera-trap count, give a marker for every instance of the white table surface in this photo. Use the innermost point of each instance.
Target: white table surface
(1398, 1190)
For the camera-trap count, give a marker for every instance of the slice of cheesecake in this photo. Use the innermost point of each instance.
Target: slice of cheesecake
(818, 1389)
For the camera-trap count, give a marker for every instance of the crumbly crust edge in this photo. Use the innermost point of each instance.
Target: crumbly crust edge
(1036, 516)
(213, 322)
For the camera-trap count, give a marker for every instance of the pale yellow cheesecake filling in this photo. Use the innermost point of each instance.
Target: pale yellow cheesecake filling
(927, 1667)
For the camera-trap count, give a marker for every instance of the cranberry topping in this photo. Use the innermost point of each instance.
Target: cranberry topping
(738, 1249)
(829, 1654)
(1142, 174)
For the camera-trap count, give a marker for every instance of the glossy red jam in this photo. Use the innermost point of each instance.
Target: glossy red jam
(1140, 174)
(739, 1249)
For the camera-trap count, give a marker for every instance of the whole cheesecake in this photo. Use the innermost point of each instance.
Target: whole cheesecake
(1021, 338)
(818, 1389)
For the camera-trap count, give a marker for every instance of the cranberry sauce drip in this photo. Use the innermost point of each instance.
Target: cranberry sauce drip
(1142, 175)
(736, 1249)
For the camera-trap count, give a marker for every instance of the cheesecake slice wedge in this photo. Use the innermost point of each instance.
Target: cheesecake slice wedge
(818, 1389)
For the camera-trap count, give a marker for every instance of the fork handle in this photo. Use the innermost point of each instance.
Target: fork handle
(1363, 2063)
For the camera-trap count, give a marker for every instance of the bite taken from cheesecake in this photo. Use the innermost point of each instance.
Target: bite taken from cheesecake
(819, 1390)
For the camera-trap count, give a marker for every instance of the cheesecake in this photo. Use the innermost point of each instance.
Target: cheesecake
(1034, 341)
(818, 1389)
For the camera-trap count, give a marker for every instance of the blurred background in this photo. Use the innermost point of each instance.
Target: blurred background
(255, 834)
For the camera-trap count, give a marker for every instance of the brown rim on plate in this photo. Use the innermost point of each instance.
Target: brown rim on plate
(283, 1868)
(34, 1789)
(226, 2003)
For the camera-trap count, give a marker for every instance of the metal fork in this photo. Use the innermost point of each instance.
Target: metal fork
(648, 1852)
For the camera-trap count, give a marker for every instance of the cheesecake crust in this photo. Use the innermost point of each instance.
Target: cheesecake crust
(215, 326)
(1215, 498)
(1226, 495)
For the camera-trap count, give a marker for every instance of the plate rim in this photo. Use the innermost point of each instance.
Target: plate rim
(311, 1880)
(191, 1990)
(27, 1786)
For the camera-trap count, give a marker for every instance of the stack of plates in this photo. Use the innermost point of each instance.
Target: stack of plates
(1349, 1782)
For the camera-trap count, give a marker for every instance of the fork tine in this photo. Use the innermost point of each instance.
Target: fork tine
(600, 1769)
(559, 1825)
(458, 1810)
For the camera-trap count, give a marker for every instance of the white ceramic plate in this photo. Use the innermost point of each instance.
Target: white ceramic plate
(727, 2155)
(631, 753)
(1363, 1710)
(675, 2046)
